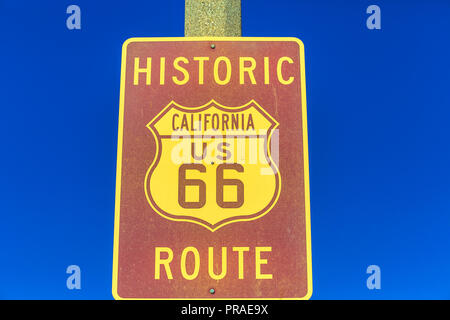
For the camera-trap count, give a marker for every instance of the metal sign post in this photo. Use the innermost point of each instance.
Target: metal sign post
(215, 18)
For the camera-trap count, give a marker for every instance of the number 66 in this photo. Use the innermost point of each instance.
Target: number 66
(220, 183)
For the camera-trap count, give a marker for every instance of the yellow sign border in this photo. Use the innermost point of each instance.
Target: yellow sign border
(119, 159)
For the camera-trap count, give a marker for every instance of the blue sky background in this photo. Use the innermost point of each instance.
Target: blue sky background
(378, 111)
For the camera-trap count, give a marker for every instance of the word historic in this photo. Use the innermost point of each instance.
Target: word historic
(221, 71)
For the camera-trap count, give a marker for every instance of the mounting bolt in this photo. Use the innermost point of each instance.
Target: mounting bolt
(213, 46)
(212, 291)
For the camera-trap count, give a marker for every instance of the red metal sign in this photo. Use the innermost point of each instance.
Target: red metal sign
(212, 196)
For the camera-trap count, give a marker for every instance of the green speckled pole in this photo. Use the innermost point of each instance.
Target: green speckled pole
(215, 18)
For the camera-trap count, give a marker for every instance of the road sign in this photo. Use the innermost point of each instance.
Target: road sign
(212, 195)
